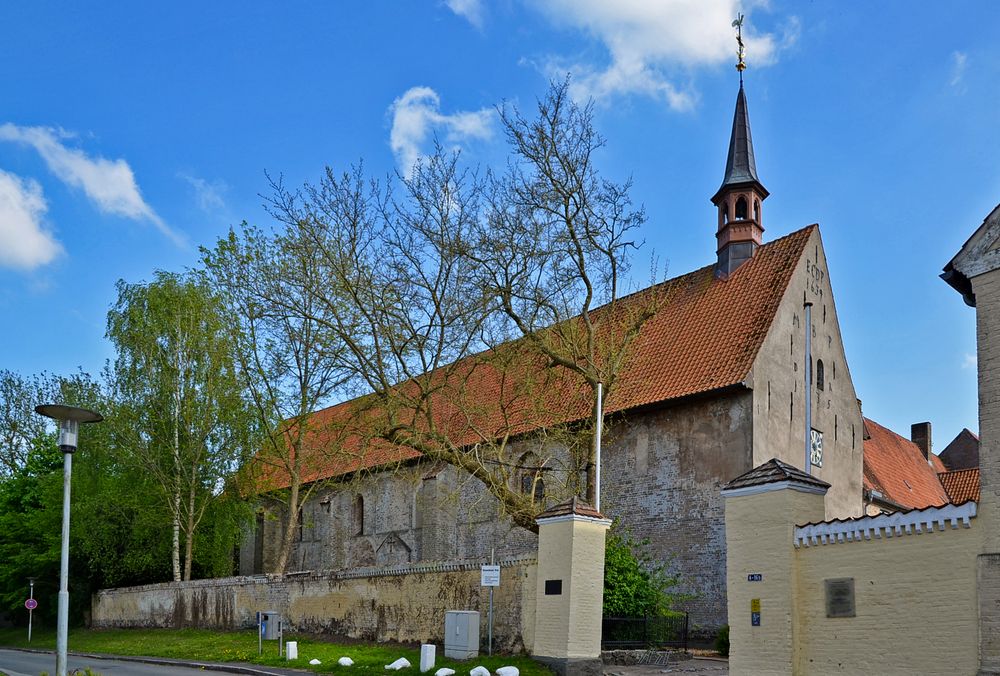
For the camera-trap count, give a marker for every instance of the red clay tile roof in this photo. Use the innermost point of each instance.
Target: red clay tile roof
(961, 485)
(703, 337)
(895, 467)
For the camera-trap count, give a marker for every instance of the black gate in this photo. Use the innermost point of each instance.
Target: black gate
(645, 632)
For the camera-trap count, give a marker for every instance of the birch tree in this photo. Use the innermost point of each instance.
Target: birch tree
(175, 379)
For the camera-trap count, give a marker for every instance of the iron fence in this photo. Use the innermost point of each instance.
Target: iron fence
(670, 631)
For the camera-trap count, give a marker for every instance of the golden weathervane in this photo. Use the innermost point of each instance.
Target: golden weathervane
(738, 25)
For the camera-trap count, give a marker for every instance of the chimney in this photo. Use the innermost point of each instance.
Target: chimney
(920, 434)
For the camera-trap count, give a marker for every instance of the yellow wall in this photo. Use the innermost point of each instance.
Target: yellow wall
(568, 625)
(915, 598)
(759, 532)
(915, 594)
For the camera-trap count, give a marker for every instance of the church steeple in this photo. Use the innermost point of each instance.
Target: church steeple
(739, 198)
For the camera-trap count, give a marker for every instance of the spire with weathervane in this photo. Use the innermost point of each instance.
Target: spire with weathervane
(739, 198)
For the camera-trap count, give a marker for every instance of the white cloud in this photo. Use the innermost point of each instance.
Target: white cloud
(207, 194)
(968, 361)
(470, 10)
(24, 241)
(959, 61)
(648, 41)
(109, 184)
(416, 115)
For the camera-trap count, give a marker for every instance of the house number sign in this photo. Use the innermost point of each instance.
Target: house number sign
(755, 577)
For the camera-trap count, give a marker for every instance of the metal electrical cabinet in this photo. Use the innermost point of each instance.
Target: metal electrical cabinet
(461, 634)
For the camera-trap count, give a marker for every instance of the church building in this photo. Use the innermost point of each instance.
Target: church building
(742, 362)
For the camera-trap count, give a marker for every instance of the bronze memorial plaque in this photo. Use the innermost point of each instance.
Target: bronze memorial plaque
(840, 597)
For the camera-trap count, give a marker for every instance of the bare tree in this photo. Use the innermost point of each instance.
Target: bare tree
(287, 356)
(473, 311)
(555, 249)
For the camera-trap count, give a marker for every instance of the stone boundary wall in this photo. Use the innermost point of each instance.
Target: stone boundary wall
(404, 603)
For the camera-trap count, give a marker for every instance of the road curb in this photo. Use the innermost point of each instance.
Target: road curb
(232, 667)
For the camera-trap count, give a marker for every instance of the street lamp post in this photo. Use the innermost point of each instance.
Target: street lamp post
(31, 604)
(69, 419)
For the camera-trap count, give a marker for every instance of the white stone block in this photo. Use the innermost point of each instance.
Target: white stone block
(401, 663)
(444, 671)
(345, 661)
(292, 650)
(427, 652)
(508, 671)
(479, 671)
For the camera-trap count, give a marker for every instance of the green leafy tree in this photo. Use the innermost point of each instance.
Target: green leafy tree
(635, 585)
(176, 383)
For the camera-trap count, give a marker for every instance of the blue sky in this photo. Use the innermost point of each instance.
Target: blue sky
(131, 133)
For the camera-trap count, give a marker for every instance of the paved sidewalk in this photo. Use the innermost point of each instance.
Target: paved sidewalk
(696, 665)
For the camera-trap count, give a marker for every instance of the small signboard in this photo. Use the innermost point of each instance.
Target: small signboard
(490, 576)
(755, 577)
(31, 604)
(754, 612)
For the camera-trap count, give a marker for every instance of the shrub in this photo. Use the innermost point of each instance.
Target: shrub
(634, 584)
(722, 641)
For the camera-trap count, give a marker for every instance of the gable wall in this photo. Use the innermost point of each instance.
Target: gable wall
(778, 386)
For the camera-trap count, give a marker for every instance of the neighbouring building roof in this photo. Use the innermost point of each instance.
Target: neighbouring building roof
(962, 452)
(895, 470)
(774, 471)
(703, 337)
(961, 485)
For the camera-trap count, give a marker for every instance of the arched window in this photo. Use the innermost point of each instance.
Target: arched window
(358, 515)
(725, 212)
(530, 477)
(741, 208)
(756, 210)
(819, 374)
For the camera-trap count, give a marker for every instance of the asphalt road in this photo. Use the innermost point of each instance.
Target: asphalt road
(18, 663)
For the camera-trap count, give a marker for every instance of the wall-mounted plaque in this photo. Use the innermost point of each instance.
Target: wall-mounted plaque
(840, 597)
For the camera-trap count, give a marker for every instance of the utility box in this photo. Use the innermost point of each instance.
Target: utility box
(270, 624)
(461, 634)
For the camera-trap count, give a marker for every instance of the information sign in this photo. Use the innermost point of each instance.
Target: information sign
(490, 576)
(755, 577)
(31, 604)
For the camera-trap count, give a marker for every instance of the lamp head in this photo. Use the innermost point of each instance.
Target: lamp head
(69, 418)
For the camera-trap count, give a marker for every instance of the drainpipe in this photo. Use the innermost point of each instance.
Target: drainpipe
(597, 446)
(808, 397)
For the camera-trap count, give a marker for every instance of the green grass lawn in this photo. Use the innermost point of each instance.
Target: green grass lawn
(216, 646)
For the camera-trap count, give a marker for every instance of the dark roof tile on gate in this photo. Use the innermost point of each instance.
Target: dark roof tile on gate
(774, 471)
